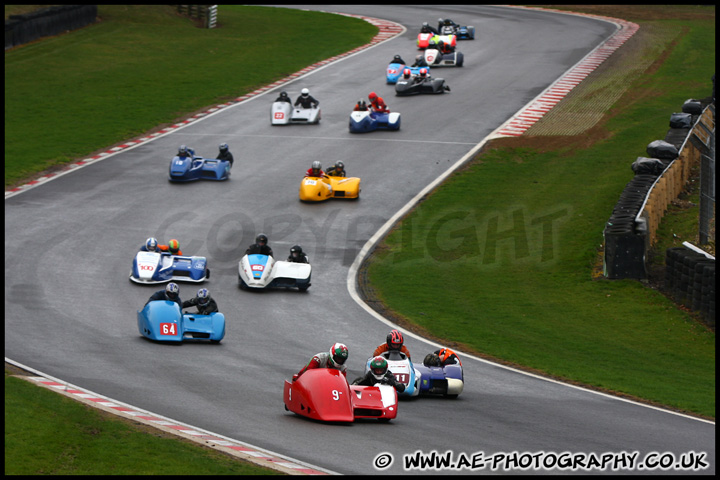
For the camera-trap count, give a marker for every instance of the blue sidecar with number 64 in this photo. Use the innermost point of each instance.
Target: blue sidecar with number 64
(163, 321)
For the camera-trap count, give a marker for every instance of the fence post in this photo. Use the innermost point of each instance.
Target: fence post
(211, 17)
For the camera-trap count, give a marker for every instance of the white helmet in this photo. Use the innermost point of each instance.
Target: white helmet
(305, 92)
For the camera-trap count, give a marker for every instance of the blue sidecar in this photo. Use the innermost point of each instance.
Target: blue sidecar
(163, 321)
(185, 169)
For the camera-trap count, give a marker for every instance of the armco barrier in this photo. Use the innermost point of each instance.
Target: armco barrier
(657, 182)
(25, 28)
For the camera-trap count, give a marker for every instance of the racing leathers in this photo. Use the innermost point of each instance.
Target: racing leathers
(207, 309)
(166, 248)
(226, 155)
(334, 171)
(384, 348)
(306, 101)
(161, 295)
(378, 105)
(388, 379)
(428, 29)
(256, 249)
(442, 357)
(301, 258)
(320, 360)
(312, 173)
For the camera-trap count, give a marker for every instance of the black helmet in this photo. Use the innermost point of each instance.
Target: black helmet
(296, 248)
(339, 166)
(261, 238)
(283, 94)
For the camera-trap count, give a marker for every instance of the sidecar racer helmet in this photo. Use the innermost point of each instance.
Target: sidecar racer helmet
(174, 246)
(151, 244)
(378, 367)
(395, 340)
(172, 291)
(338, 354)
(203, 296)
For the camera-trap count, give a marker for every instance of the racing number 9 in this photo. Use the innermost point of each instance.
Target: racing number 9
(336, 395)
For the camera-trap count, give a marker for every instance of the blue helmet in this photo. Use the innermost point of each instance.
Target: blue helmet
(172, 291)
(151, 244)
(203, 296)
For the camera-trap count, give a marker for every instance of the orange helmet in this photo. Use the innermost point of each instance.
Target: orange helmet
(174, 246)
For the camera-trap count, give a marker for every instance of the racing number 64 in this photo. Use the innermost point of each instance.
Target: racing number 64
(168, 329)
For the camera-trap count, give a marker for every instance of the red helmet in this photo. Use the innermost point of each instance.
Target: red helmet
(406, 73)
(338, 354)
(423, 72)
(395, 340)
(372, 96)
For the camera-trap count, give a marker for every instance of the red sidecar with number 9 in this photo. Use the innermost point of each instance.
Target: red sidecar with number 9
(324, 394)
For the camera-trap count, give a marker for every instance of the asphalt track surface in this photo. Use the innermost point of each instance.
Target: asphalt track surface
(70, 310)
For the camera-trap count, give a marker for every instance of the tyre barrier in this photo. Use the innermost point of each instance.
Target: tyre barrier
(25, 28)
(658, 179)
(690, 279)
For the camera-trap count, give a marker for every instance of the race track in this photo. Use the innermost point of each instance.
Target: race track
(70, 310)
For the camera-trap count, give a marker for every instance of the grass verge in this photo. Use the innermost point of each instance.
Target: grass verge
(48, 434)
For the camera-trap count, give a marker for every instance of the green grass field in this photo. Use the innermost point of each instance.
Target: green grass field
(513, 238)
